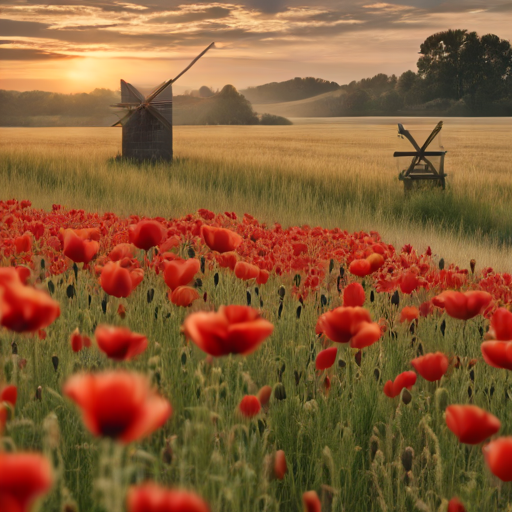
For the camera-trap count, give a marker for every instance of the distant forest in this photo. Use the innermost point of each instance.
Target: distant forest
(459, 74)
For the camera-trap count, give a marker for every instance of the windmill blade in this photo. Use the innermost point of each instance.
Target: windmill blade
(408, 136)
(432, 136)
(160, 117)
(123, 119)
(129, 94)
(169, 82)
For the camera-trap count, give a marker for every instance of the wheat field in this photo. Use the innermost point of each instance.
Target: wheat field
(329, 172)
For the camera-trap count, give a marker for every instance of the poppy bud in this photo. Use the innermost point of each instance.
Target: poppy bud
(55, 362)
(311, 501)
(407, 458)
(280, 391)
(406, 397)
(472, 265)
(264, 395)
(280, 466)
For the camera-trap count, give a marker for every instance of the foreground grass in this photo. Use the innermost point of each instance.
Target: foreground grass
(324, 174)
(347, 444)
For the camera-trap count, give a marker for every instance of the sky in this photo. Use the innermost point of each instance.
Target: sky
(73, 46)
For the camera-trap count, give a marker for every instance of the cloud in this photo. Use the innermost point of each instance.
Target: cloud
(211, 13)
(27, 54)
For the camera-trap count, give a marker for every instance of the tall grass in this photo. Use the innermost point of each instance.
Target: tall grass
(325, 174)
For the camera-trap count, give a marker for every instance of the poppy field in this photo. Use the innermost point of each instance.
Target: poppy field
(213, 362)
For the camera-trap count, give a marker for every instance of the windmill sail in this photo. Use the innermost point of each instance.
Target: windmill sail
(129, 94)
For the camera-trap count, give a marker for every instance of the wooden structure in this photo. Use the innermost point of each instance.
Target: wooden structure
(147, 125)
(425, 165)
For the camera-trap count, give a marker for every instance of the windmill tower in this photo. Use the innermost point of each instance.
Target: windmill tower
(147, 124)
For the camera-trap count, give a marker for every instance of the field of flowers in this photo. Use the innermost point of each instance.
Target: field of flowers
(216, 363)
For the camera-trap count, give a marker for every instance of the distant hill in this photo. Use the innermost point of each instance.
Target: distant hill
(290, 90)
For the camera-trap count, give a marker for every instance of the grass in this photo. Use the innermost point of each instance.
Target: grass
(318, 174)
(348, 446)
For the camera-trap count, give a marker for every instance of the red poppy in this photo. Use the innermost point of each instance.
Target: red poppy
(360, 268)
(24, 273)
(116, 280)
(501, 325)
(249, 406)
(78, 249)
(9, 394)
(118, 404)
(121, 311)
(348, 324)
(136, 276)
(121, 251)
(262, 277)
(246, 271)
(463, 305)
(376, 261)
(325, 359)
(264, 395)
(404, 380)
(426, 308)
(23, 308)
(454, 505)
(183, 296)
(409, 314)
(150, 497)
(431, 366)
(471, 424)
(146, 234)
(24, 477)
(232, 330)
(23, 243)
(169, 244)
(227, 259)
(311, 502)
(280, 466)
(409, 282)
(119, 343)
(180, 272)
(497, 354)
(220, 239)
(498, 456)
(353, 295)
(3, 417)
(79, 341)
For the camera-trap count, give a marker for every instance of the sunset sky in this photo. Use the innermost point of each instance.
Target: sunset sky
(78, 45)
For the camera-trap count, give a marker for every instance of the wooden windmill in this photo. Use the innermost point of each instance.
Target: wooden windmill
(147, 125)
(425, 165)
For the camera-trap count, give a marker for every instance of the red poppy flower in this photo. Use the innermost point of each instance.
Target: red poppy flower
(9, 394)
(360, 268)
(404, 380)
(136, 276)
(471, 424)
(409, 282)
(501, 325)
(119, 343)
(227, 259)
(409, 313)
(116, 280)
(280, 466)
(463, 305)
(79, 341)
(264, 395)
(220, 239)
(311, 502)
(24, 477)
(376, 261)
(23, 308)
(497, 354)
(246, 271)
(3, 418)
(262, 276)
(454, 505)
(121, 251)
(121, 311)
(24, 273)
(498, 456)
(183, 296)
(431, 366)
(348, 324)
(150, 497)
(78, 249)
(232, 330)
(146, 234)
(325, 359)
(426, 308)
(249, 406)
(23, 243)
(353, 295)
(118, 404)
(180, 272)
